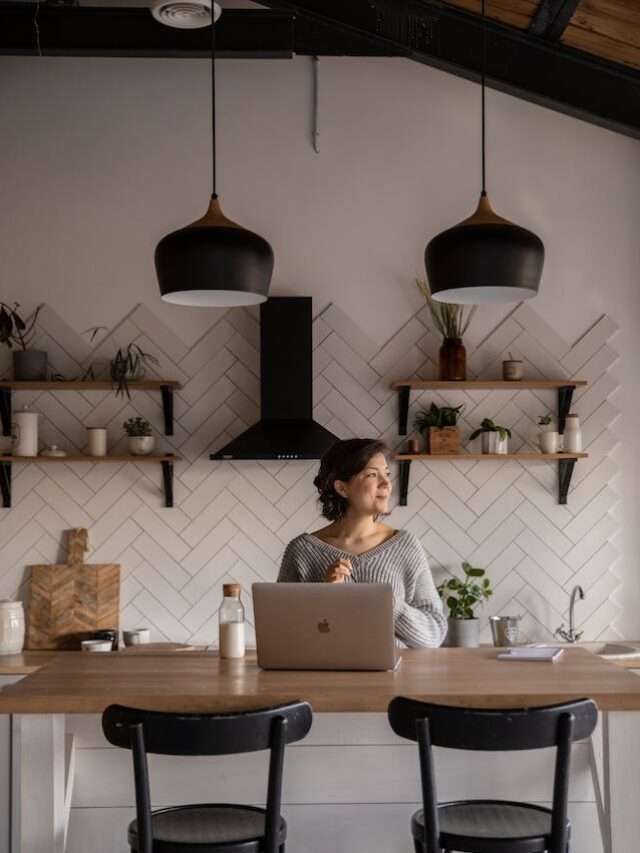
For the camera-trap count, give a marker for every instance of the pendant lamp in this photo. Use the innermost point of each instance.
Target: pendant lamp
(214, 262)
(484, 258)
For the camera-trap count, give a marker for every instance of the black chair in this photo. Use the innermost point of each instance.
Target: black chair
(210, 827)
(492, 826)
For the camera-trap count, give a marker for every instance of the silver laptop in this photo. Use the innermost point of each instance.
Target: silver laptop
(324, 626)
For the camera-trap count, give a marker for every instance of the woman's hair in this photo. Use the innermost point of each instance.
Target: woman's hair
(342, 461)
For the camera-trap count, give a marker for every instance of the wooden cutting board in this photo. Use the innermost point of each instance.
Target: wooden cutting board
(69, 600)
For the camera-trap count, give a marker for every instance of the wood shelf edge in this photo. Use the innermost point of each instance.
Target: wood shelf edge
(474, 457)
(91, 385)
(165, 457)
(480, 384)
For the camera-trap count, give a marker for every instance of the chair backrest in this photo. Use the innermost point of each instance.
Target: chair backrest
(205, 734)
(491, 729)
(494, 729)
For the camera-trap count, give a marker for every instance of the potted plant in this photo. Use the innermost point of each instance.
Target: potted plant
(129, 364)
(462, 597)
(452, 322)
(495, 439)
(548, 438)
(140, 439)
(29, 365)
(440, 425)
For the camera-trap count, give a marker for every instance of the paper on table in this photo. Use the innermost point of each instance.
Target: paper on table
(551, 654)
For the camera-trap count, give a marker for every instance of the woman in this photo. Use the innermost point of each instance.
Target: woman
(354, 488)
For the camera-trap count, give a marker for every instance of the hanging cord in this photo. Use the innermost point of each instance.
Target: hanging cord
(213, 99)
(482, 66)
(36, 26)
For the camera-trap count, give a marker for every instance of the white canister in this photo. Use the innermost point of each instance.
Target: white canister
(572, 435)
(24, 433)
(11, 627)
(96, 441)
(548, 441)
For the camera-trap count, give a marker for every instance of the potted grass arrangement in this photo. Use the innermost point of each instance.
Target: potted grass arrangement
(462, 597)
(439, 426)
(452, 321)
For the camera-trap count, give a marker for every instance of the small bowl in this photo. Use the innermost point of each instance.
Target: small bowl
(96, 645)
(137, 637)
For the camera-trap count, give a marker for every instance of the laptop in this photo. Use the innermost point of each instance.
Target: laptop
(324, 626)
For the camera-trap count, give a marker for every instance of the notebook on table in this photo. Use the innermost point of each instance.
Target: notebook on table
(548, 654)
(324, 626)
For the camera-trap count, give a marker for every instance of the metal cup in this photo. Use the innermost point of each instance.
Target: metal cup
(504, 630)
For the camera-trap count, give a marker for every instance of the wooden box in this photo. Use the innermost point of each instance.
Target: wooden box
(444, 440)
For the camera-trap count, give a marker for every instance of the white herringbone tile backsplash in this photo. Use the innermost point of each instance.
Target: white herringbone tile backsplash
(232, 521)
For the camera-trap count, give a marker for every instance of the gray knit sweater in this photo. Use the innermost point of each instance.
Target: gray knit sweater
(399, 561)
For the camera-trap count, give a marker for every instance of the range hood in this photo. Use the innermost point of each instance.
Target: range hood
(286, 429)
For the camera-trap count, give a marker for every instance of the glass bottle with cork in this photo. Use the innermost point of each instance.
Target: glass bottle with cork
(231, 622)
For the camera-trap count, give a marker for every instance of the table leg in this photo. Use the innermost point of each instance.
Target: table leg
(621, 760)
(38, 783)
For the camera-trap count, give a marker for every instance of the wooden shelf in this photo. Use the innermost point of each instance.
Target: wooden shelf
(488, 384)
(166, 460)
(89, 385)
(504, 457)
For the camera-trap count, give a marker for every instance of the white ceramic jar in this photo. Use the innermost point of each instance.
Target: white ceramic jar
(24, 433)
(11, 627)
(572, 435)
(96, 441)
(140, 445)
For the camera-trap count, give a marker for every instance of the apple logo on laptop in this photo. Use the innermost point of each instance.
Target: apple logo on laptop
(323, 627)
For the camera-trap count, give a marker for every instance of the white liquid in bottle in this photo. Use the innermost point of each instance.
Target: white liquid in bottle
(231, 623)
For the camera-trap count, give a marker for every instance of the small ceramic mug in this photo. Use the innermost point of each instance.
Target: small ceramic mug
(137, 637)
(109, 634)
(96, 645)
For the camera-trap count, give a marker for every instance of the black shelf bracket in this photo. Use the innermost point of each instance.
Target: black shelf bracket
(5, 483)
(167, 477)
(5, 410)
(167, 407)
(565, 396)
(565, 472)
(403, 401)
(405, 467)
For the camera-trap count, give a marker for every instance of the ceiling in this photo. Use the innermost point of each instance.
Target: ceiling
(580, 57)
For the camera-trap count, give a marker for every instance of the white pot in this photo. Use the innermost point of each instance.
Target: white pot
(11, 627)
(24, 433)
(492, 443)
(548, 441)
(140, 445)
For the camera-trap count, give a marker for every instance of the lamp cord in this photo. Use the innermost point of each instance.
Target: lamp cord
(482, 75)
(213, 99)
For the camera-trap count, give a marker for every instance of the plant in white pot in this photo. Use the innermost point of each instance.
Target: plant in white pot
(548, 439)
(29, 365)
(139, 436)
(495, 439)
(462, 597)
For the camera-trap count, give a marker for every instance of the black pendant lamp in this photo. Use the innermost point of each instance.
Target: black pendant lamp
(484, 258)
(214, 262)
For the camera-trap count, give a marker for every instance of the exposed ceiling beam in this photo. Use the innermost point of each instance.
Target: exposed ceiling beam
(537, 70)
(552, 18)
(130, 31)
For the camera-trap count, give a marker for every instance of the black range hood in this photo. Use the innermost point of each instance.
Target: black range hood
(286, 429)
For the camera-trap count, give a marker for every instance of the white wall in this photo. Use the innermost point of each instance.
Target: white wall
(102, 157)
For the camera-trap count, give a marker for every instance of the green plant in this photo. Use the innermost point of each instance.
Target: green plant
(449, 320)
(437, 416)
(487, 425)
(127, 365)
(14, 331)
(463, 596)
(137, 427)
(545, 420)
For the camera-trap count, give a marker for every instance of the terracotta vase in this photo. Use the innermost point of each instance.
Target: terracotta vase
(452, 360)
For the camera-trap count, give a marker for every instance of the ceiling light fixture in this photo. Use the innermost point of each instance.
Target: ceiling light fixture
(213, 262)
(485, 258)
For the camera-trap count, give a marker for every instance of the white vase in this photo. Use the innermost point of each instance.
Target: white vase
(140, 445)
(572, 435)
(492, 443)
(24, 433)
(548, 441)
(97, 441)
(11, 627)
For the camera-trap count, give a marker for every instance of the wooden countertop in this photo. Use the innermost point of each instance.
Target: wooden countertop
(201, 681)
(25, 662)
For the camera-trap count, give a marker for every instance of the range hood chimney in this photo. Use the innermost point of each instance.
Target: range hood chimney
(286, 429)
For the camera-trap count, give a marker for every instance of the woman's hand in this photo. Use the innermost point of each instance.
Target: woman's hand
(338, 571)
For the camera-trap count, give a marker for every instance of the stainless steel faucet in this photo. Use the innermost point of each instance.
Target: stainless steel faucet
(571, 636)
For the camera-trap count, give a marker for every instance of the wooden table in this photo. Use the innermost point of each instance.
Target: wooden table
(75, 683)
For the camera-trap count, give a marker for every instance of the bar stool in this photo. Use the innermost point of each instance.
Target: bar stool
(207, 827)
(492, 826)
